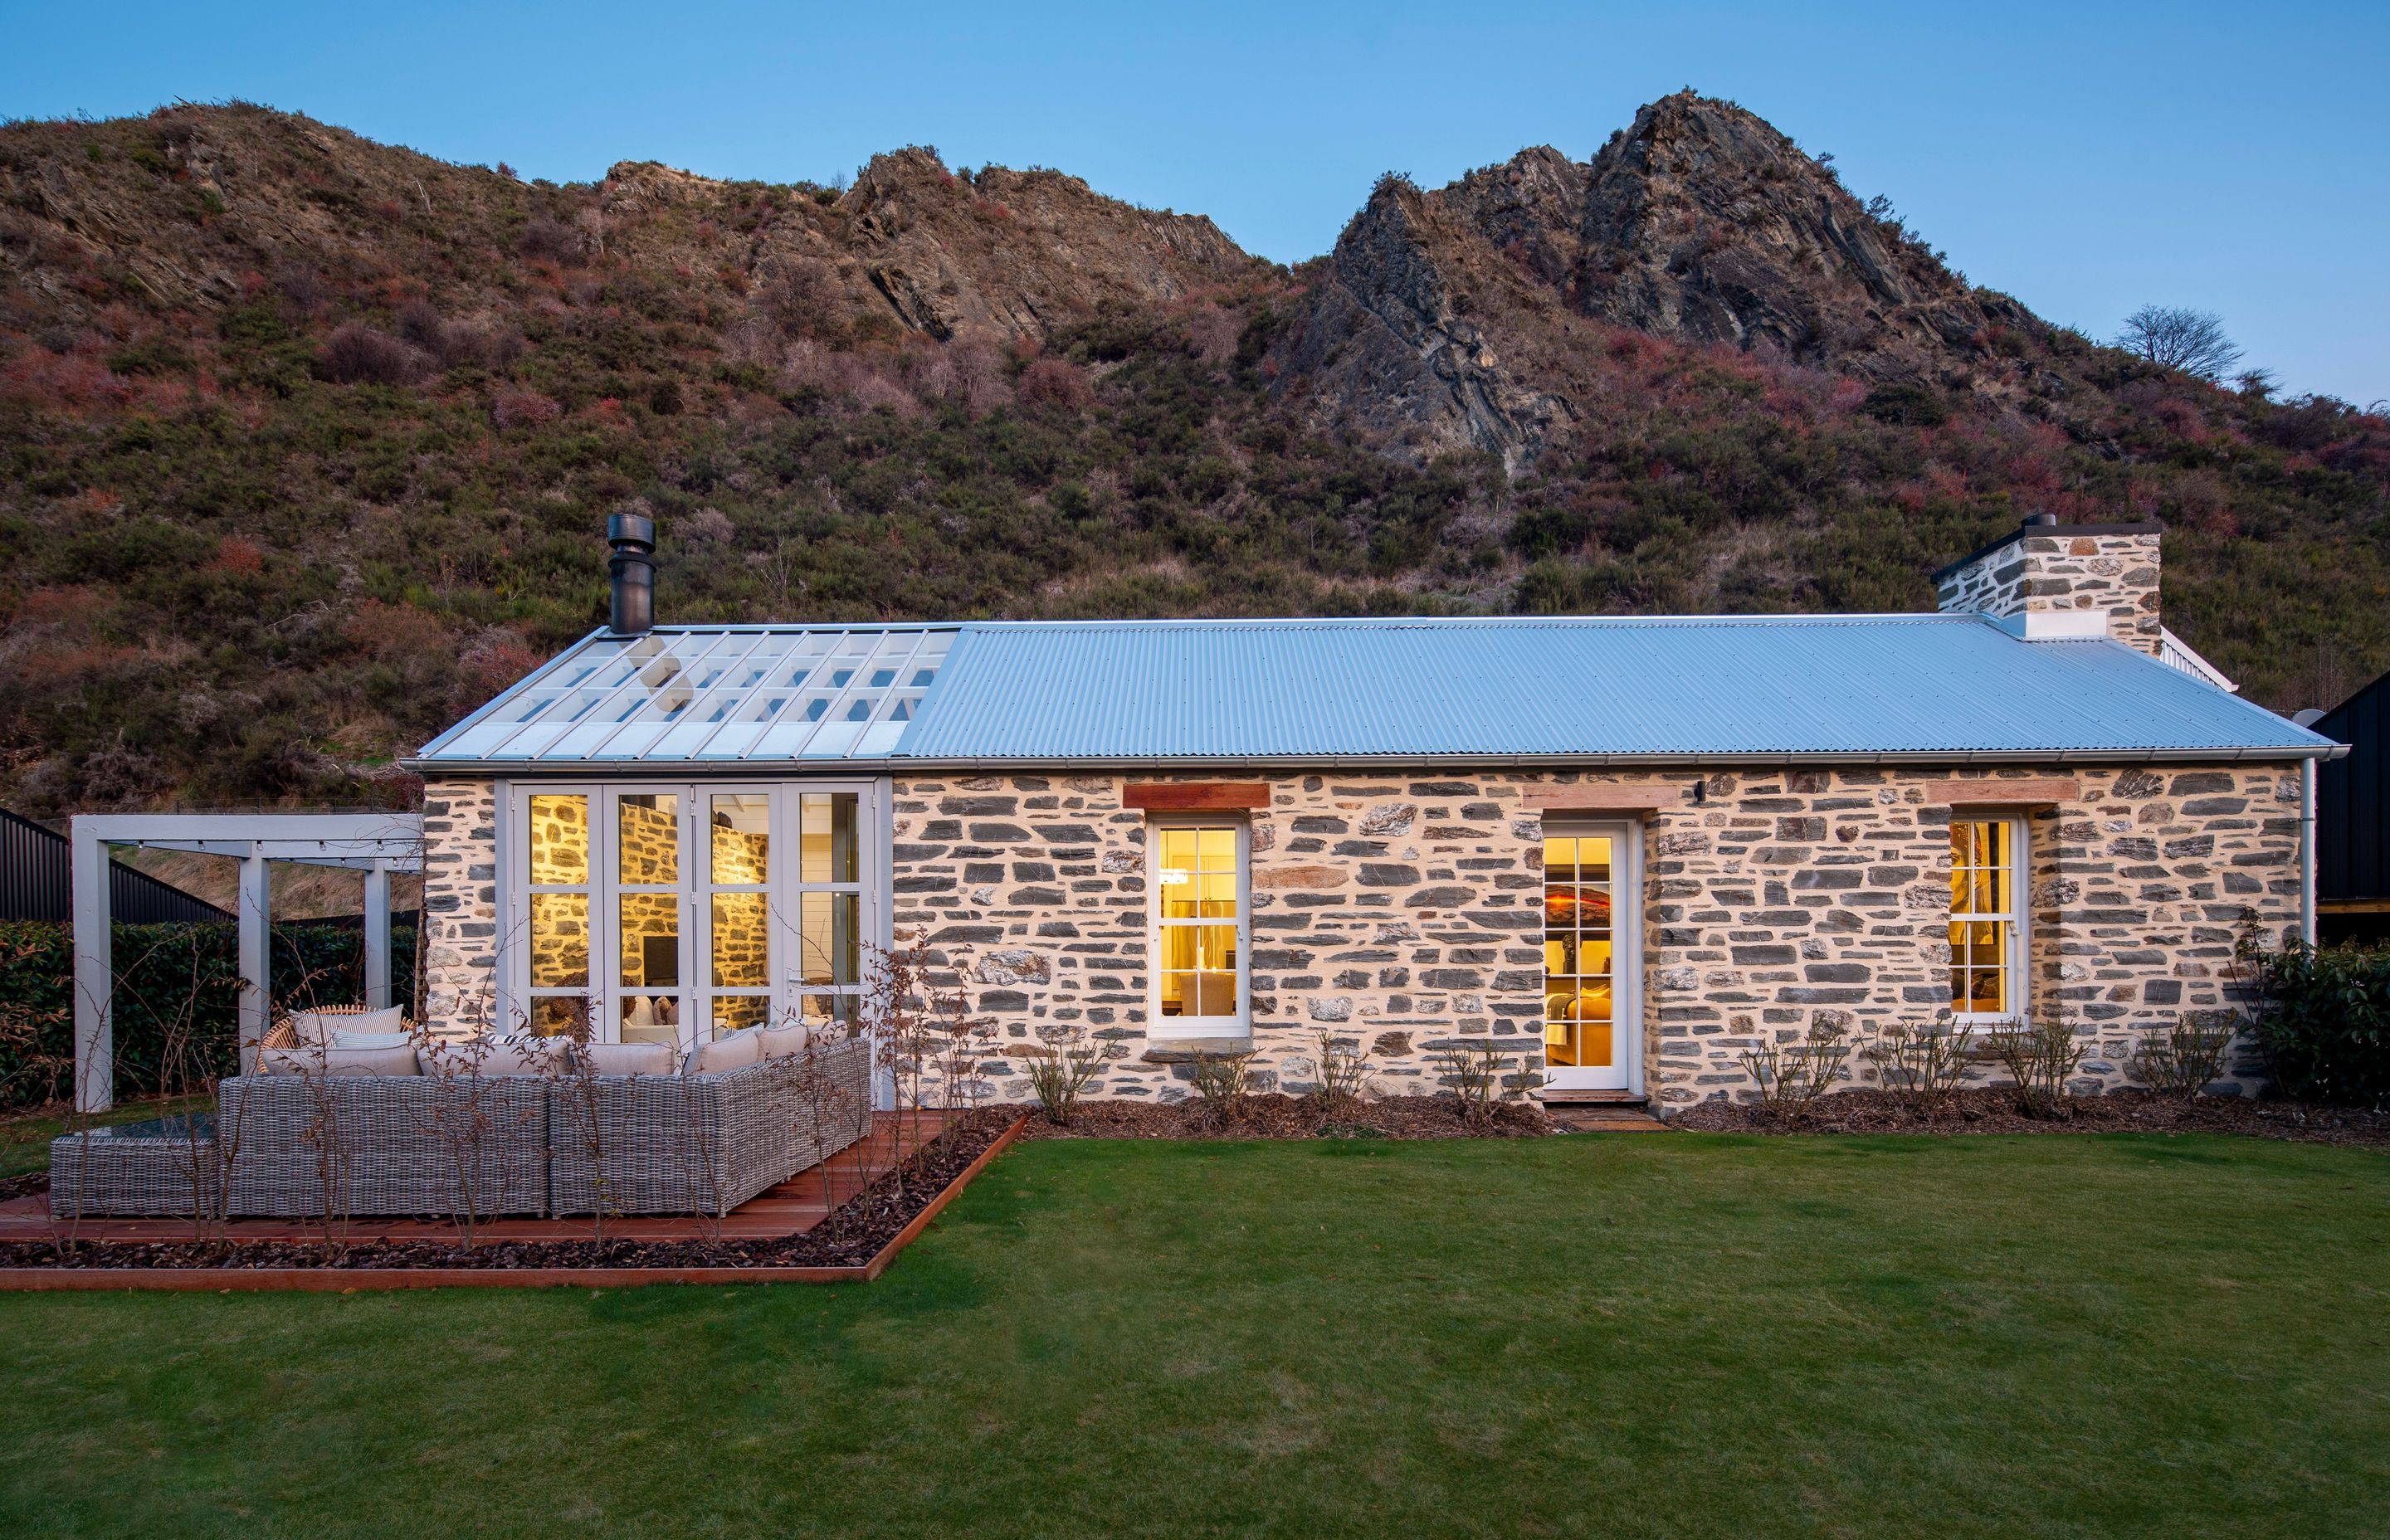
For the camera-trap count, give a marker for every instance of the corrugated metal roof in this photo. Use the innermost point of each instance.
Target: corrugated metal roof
(1942, 686)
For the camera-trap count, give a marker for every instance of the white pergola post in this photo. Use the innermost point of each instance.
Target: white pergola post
(94, 971)
(376, 936)
(256, 922)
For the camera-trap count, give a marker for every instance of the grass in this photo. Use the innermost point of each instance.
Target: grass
(1685, 1335)
(25, 1136)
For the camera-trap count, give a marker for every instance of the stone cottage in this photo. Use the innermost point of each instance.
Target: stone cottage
(1617, 849)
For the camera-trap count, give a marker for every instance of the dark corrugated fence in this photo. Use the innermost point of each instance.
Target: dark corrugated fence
(35, 883)
(2352, 844)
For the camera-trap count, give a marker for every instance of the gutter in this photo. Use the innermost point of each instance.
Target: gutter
(884, 764)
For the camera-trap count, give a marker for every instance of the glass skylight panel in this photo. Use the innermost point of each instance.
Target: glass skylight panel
(715, 695)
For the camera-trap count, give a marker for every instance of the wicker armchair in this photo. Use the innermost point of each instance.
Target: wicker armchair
(282, 1033)
(702, 1144)
(388, 1145)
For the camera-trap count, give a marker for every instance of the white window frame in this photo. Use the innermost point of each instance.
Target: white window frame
(874, 833)
(2018, 919)
(1177, 1028)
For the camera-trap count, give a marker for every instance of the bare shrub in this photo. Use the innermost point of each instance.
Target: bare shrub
(1792, 1075)
(708, 526)
(1212, 333)
(577, 1077)
(1473, 1072)
(2040, 1057)
(419, 322)
(1062, 1064)
(356, 355)
(1223, 1082)
(800, 299)
(550, 239)
(523, 408)
(1341, 1073)
(1056, 383)
(2184, 1058)
(1922, 1064)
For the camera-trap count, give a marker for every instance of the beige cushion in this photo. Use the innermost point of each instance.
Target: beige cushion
(502, 1059)
(372, 1039)
(338, 1062)
(782, 1041)
(734, 1052)
(314, 1027)
(628, 1058)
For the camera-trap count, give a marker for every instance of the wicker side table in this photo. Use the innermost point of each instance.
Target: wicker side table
(137, 1169)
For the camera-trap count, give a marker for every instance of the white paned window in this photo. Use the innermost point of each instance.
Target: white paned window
(675, 913)
(1987, 919)
(1201, 929)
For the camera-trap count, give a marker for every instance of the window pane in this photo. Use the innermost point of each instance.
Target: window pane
(1216, 946)
(742, 838)
(820, 1010)
(1178, 850)
(561, 1015)
(1218, 894)
(648, 940)
(825, 837)
(1217, 851)
(560, 941)
(732, 1012)
(828, 937)
(559, 839)
(650, 1018)
(648, 825)
(741, 942)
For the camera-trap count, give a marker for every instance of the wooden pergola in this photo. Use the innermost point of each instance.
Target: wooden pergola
(375, 844)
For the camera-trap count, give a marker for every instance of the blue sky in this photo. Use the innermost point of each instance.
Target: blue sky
(2086, 158)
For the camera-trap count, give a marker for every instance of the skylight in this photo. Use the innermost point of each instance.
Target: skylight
(699, 697)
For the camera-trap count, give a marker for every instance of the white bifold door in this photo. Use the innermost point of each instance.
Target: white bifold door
(676, 913)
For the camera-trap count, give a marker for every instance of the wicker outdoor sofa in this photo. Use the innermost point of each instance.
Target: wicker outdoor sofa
(301, 1146)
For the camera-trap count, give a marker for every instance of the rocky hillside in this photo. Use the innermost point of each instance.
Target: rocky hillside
(306, 443)
(1470, 318)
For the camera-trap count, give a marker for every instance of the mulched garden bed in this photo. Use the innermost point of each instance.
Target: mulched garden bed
(1277, 1116)
(1989, 1109)
(851, 1237)
(25, 1186)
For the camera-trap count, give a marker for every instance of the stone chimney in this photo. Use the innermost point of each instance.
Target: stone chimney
(2048, 581)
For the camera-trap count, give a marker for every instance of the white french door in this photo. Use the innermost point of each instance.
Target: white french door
(673, 912)
(1593, 924)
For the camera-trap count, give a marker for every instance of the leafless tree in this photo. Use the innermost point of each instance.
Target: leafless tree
(2174, 337)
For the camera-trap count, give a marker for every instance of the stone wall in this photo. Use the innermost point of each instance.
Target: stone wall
(2109, 569)
(1402, 911)
(1783, 901)
(460, 901)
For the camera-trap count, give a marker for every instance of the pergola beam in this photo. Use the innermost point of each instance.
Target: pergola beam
(379, 843)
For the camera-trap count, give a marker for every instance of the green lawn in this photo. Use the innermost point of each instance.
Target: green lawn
(1621, 1334)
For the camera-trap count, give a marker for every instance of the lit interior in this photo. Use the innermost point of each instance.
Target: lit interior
(1577, 954)
(1196, 877)
(1983, 917)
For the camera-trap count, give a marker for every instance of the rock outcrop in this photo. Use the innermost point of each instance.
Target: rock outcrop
(1442, 320)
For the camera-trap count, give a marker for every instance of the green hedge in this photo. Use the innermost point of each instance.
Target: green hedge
(175, 983)
(2326, 1022)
